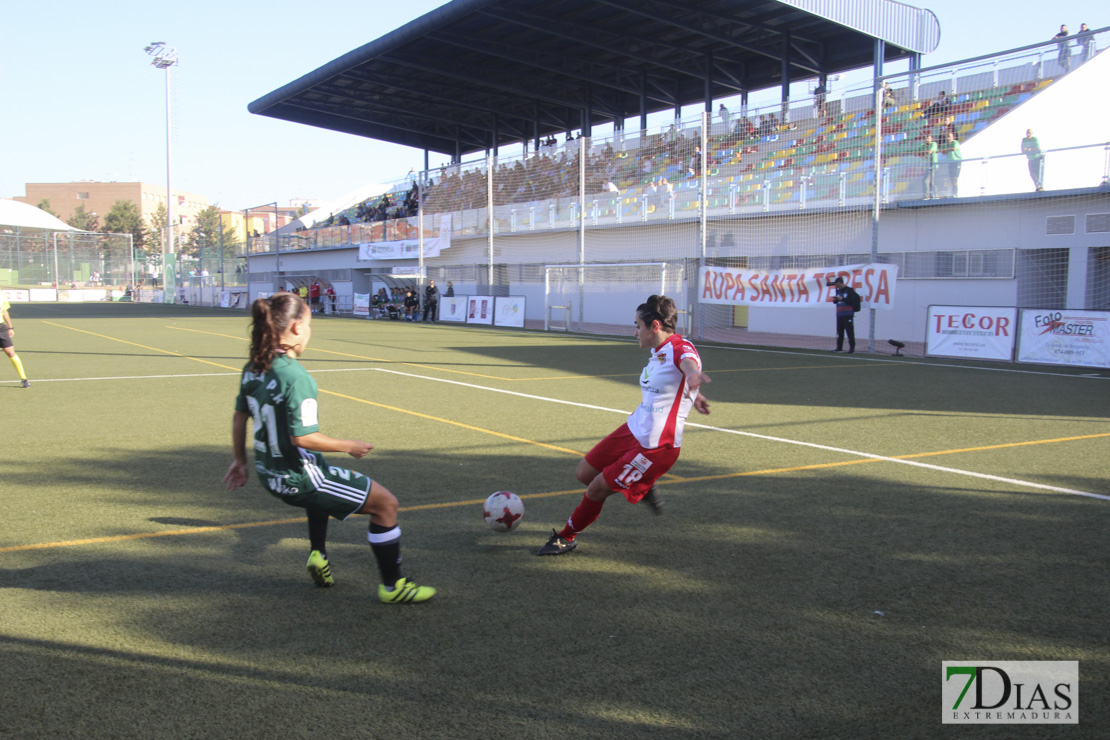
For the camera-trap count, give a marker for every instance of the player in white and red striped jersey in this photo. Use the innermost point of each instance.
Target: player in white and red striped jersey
(637, 453)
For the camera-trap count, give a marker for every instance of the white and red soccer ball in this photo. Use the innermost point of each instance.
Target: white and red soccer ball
(503, 511)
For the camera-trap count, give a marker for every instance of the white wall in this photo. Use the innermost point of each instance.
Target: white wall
(1070, 112)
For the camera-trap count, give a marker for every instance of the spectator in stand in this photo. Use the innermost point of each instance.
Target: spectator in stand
(1086, 42)
(611, 187)
(946, 128)
(666, 189)
(929, 181)
(745, 129)
(939, 107)
(953, 162)
(1063, 49)
(431, 301)
(726, 116)
(1031, 148)
(888, 96)
(819, 96)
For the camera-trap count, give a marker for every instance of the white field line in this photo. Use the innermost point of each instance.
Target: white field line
(814, 445)
(856, 453)
(36, 381)
(861, 356)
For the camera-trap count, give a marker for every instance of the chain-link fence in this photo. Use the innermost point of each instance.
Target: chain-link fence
(63, 259)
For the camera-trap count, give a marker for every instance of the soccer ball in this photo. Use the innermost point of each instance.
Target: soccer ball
(503, 511)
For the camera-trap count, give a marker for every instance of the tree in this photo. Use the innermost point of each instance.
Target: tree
(208, 235)
(84, 221)
(157, 229)
(44, 205)
(124, 218)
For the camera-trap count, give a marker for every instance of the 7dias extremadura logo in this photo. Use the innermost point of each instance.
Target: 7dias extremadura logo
(1027, 692)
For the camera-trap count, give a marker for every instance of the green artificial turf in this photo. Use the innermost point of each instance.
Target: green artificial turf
(833, 531)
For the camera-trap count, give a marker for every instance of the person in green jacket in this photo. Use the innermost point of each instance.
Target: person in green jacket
(953, 162)
(929, 182)
(1031, 148)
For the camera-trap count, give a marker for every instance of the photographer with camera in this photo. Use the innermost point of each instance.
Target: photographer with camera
(847, 302)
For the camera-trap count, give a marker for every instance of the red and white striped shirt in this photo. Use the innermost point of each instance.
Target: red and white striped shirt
(659, 420)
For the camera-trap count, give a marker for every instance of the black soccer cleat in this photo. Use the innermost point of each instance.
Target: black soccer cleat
(26, 384)
(654, 501)
(557, 545)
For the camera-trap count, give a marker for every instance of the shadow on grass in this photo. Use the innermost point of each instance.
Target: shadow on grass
(119, 310)
(737, 613)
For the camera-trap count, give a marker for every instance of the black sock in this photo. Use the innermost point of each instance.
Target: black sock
(318, 531)
(386, 544)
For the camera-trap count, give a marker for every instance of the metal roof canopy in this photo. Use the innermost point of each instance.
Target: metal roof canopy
(476, 74)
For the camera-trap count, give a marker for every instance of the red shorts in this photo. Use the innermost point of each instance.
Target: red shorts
(629, 468)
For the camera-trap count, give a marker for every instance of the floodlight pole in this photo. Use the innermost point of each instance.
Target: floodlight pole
(165, 57)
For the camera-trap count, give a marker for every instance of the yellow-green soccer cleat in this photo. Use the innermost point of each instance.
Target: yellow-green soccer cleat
(405, 592)
(320, 570)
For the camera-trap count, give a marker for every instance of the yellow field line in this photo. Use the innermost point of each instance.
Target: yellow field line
(143, 346)
(1002, 446)
(453, 423)
(674, 479)
(549, 494)
(544, 378)
(146, 535)
(349, 398)
(359, 357)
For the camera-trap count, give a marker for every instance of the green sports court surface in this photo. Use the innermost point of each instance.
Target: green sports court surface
(834, 530)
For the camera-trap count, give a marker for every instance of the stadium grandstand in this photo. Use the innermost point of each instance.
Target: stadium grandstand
(564, 190)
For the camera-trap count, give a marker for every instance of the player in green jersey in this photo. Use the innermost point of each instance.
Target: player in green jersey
(280, 396)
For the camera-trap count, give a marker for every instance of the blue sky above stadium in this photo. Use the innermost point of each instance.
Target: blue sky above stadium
(83, 102)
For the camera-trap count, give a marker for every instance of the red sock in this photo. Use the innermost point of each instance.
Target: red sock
(584, 515)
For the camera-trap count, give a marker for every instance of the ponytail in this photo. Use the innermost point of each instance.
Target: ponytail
(659, 308)
(270, 319)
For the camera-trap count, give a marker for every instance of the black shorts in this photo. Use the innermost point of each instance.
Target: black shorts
(5, 337)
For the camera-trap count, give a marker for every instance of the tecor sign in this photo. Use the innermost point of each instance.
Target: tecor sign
(1010, 692)
(979, 332)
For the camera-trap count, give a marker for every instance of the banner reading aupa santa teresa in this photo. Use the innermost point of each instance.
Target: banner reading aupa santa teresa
(731, 286)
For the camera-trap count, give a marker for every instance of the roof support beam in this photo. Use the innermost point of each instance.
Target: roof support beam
(639, 9)
(681, 5)
(371, 108)
(486, 47)
(484, 80)
(609, 43)
(445, 95)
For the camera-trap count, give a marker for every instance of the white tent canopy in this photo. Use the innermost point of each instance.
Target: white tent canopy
(14, 213)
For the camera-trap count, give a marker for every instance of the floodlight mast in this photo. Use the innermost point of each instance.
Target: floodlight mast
(165, 57)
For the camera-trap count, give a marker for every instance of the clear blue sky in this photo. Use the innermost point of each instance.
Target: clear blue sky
(81, 101)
